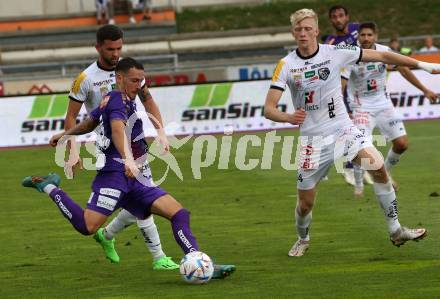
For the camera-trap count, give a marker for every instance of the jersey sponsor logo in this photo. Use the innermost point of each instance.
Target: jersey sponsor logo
(309, 74)
(331, 109)
(77, 83)
(323, 73)
(345, 47)
(106, 202)
(382, 68)
(315, 66)
(104, 82)
(110, 192)
(371, 67)
(308, 100)
(210, 102)
(308, 97)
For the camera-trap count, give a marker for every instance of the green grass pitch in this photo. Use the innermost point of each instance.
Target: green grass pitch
(240, 217)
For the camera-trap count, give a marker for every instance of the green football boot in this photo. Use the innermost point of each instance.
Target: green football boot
(165, 263)
(222, 271)
(107, 245)
(40, 182)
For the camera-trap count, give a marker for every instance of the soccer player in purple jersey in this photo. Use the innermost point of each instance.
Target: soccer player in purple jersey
(119, 182)
(346, 32)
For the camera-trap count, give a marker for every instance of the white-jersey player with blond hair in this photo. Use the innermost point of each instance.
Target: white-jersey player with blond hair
(371, 104)
(312, 73)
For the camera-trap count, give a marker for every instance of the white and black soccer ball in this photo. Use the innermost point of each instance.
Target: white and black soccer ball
(196, 267)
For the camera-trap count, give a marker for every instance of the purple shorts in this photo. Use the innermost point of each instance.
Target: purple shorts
(113, 190)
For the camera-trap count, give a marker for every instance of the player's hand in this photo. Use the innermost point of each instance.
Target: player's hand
(162, 139)
(131, 169)
(298, 116)
(55, 138)
(71, 165)
(432, 96)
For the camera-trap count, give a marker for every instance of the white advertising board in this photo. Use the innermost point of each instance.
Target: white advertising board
(193, 109)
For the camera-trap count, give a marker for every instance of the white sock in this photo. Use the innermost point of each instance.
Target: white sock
(121, 221)
(151, 236)
(392, 159)
(358, 176)
(388, 202)
(303, 225)
(49, 188)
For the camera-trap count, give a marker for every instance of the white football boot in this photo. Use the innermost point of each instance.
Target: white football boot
(404, 234)
(299, 248)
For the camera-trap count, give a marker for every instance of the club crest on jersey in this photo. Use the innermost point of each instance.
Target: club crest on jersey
(323, 73)
(371, 85)
(104, 102)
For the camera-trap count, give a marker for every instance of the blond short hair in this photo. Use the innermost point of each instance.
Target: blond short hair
(302, 14)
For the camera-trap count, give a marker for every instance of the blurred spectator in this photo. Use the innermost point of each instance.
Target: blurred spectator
(104, 11)
(395, 46)
(429, 47)
(147, 9)
(144, 5)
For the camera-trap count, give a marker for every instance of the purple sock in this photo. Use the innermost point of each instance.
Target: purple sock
(70, 210)
(182, 232)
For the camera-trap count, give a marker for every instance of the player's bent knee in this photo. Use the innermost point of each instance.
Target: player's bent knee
(93, 220)
(166, 206)
(400, 145)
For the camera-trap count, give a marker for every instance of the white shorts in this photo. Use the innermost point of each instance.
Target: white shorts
(388, 121)
(316, 154)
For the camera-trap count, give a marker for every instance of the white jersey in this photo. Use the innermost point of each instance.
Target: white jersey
(367, 84)
(315, 85)
(92, 85)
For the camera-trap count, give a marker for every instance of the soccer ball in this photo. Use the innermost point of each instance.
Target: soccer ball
(196, 267)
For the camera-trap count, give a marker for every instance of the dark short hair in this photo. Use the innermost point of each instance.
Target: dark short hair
(125, 64)
(336, 7)
(368, 25)
(108, 32)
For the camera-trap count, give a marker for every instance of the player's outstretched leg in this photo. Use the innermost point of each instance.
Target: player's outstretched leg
(108, 245)
(166, 206)
(70, 210)
(188, 243)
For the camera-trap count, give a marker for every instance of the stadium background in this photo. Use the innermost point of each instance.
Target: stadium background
(249, 223)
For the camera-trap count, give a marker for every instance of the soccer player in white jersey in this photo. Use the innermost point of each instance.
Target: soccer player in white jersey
(88, 89)
(312, 73)
(370, 102)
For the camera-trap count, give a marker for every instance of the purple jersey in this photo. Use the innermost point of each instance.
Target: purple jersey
(117, 105)
(348, 39)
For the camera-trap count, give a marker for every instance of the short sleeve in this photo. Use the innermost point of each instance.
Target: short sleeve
(115, 108)
(279, 77)
(346, 54)
(79, 90)
(345, 72)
